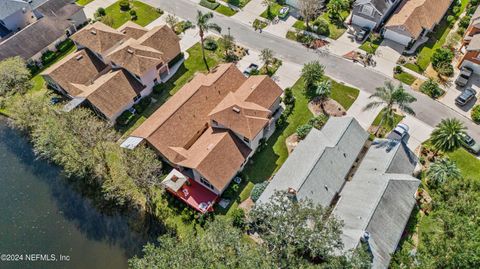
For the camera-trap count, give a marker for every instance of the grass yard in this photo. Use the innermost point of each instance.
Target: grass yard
(467, 163)
(83, 2)
(371, 46)
(145, 13)
(414, 67)
(405, 78)
(185, 73)
(386, 128)
(274, 11)
(237, 3)
(222, 9)
(336, 28)
(300, 25)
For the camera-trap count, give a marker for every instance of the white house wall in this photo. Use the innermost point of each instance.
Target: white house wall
(399, 38)
(362, 22)
(19, 20)
(475, 67)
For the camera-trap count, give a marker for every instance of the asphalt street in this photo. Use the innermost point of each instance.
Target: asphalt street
(427, 110)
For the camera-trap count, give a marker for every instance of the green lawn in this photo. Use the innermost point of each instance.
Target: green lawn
(300, 25)
(237, 3)
(83, 2)
(436, 41)
(386, 128)
(405, 78)
(222, 9)
(272, 69)
(336, 28)
(467, 163)
(274, 11)
(145, 13)
(413, 67)
(371, 46)
(185, 73)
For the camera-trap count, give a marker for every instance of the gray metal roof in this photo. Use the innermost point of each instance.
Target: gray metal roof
(318, 166)
(379, 199)
(474, 43)
(9, 7)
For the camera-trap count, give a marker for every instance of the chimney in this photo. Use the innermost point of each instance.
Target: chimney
(236, 109)
(130, 51)
(93, 32)
(79, 57)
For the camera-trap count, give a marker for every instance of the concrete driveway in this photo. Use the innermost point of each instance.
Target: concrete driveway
(419, 131)
(281, 27)
(250, 12)
(90, 8)
(345, 43)
(453, 91)
(387, 56)
(287, 74)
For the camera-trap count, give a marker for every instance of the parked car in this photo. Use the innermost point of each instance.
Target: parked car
(251, 68)
(471, 145)
(465, 97)
(465, 74)
(362, 33)
(401, 130)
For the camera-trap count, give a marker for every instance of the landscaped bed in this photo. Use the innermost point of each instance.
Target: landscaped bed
(371, 45)
(385, 128)
(335, 29)
(274, 11)
(145, 14)
(216, 6)
(83, 2)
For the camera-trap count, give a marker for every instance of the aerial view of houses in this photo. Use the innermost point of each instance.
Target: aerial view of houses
(240, 133)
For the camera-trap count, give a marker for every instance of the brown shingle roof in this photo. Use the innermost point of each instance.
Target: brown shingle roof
(217, 155)
(136, 58)
(414, 15)
(132, 30)
(98, 37)
(181, 132)
(113, 91)
(163, 39)
(66, 72)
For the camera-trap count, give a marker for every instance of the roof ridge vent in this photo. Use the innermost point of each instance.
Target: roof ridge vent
(236, 109)
(93, 32)
(79, 57)
(129, 50)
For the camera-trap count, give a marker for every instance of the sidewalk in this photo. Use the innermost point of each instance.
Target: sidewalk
(91, 7)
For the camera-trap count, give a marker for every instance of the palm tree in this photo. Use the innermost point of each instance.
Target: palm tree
(266, 55)
(323, 91)
(443, 170)
(312, 73)
(448, 135)
(204, 25)
(390, 97)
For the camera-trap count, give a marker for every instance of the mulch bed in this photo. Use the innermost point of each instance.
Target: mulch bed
(331, 108)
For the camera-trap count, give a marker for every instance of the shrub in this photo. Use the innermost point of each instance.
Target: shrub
(125, 118)
(159, 88)
(258, 190)
(142, 104)
(238, 218)
(288, 97)
(440, 56)
(159, 11)
(211, 4)
(108, 20)
(48, 57)
(476, 114)
(124, 5)
(319, 121)
(65, 45)
(398, 69)
(461, 31)
(450, 20)
(456, 11)
(303, 130)
(465, 21)
(133, 15)
(431, 88)
(445, 69)
(101, 11)
(210, 44)
(321, 26)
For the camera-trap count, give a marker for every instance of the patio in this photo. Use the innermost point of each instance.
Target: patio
(189, 191)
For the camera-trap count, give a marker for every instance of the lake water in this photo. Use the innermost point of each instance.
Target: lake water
(41, 213)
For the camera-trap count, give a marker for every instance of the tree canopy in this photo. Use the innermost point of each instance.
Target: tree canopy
(14, 76)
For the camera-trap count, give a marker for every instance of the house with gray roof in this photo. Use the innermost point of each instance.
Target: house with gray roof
(372, 13)
(318, 167)
(50, 22)
(375, 205)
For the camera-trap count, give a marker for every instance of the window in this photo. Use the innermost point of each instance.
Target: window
(206, 183)
(367, 10)
(136, 98)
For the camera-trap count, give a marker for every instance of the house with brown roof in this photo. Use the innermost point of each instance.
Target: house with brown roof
(413, 19)
(146, 54)
(107, 91)
(212, 125)
(470, 48)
